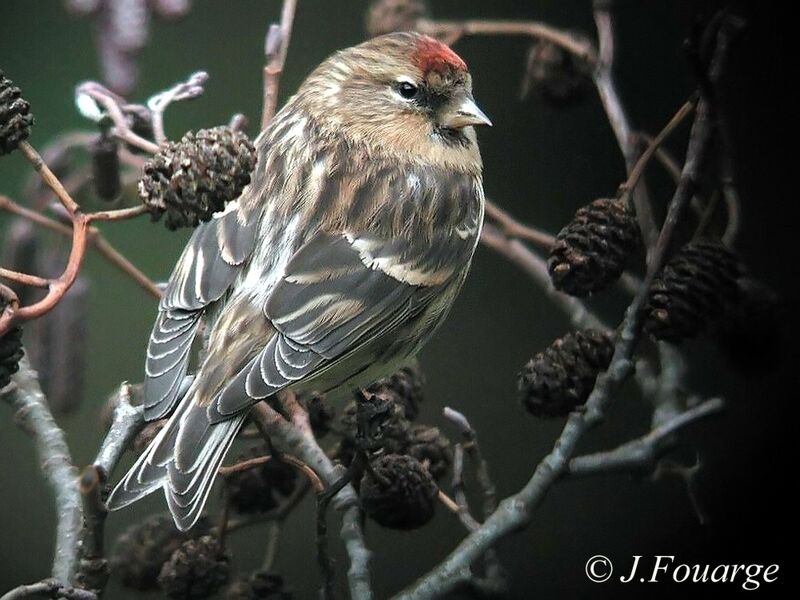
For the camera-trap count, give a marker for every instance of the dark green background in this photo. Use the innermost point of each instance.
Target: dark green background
(540, 163)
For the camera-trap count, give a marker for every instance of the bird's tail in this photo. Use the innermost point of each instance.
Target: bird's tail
(183, 459)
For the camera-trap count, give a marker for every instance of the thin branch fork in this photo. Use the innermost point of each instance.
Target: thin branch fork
(81, 234)
(642, 453)
(110, 102)
(96, 239)
(296, 440)
(635, 175)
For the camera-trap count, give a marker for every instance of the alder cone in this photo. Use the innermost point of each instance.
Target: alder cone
(404, 387)
(188, 181)
(429, 446)
(592, 250)
(11, 351)
(16, 119)
(387, 16)
(197, 569)
(143, 548)
(555, 75)
(694, 289)
(398, 492)
(561, 377)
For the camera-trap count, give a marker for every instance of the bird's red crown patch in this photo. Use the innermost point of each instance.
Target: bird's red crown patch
(433, 55)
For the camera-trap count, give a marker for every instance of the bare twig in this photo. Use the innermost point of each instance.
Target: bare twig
(536, 267)
(642, 453)
(111, 103)
(48, 177)
(639, 166)
(276, 45)
(126, 422)
(81, 234)
(49, 588)
(663, 156)
(93, 570)
(25, 278)
(459, 492)
(185, 90)
(96, 239)
(454, 507)
(26, 396)
(473, 450)
(452, 31)
(495, 575)
(513, 228)
(617, 116)
(688, 474)
(251, 463)
(290, 439)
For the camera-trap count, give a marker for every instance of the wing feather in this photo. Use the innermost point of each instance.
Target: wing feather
(205, 271)
(327, 306)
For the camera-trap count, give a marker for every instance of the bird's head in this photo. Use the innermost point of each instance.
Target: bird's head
(403, 93)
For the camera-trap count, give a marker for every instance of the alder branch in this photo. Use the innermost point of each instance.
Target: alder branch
(536, 268)
(452, 31)
(461, 504)
(638, 168)
(185, 90)
(81, 233)
(276, 46)
(495, 580)
(642, 454)
(127, 420)
(113, 106)
(96, 238)
(617, 115)
(49, 588)
(300, 442)
(26, 397)
(513, 228)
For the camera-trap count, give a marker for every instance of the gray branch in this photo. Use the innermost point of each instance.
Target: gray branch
(618, 117)
(126, 422)
(300, 442)
(33, 413)
(536, 268)
(49, 588)
(642, 453)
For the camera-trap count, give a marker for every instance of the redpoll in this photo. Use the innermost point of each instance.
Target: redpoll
(334, 266)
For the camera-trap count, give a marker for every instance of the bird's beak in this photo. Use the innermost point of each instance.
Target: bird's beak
(463, 112)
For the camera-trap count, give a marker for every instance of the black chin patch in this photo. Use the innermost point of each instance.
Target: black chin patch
(451, 137)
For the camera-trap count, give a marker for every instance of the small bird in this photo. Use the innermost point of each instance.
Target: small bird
(334, 266)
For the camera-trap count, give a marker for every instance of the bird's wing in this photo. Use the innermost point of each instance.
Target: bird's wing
(338, 293)
(204, 272)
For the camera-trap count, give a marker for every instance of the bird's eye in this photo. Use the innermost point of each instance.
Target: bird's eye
(407, 90)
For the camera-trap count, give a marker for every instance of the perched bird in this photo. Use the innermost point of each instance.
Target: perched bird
(333, 267)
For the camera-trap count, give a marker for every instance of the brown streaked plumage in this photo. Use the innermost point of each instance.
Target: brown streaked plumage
(335, 265)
